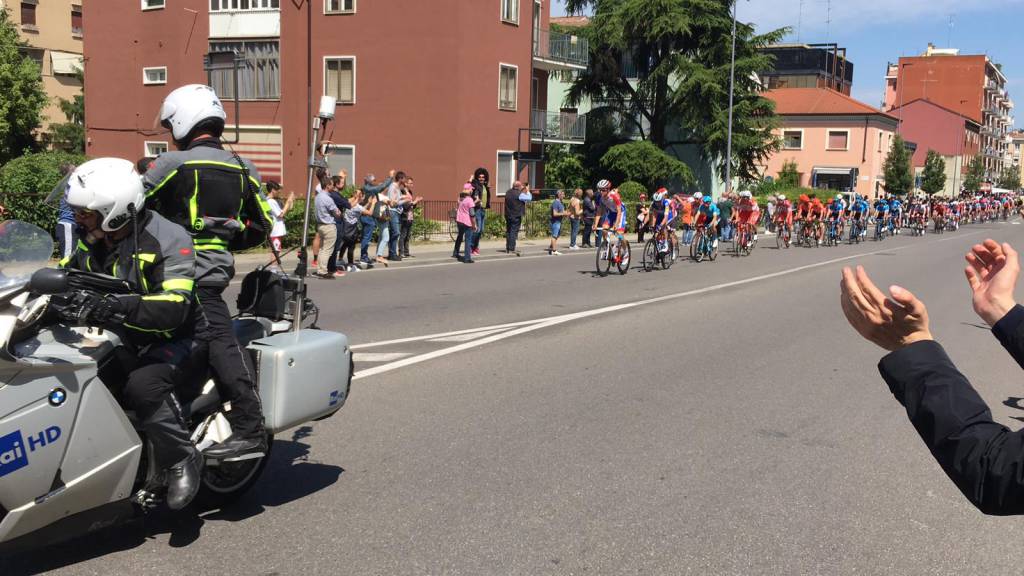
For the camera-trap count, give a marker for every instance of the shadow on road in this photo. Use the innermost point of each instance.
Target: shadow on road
(290, 475)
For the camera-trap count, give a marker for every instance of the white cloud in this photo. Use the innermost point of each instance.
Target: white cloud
(847, 15)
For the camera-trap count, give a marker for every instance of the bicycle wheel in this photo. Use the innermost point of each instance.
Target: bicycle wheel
(602, 261)
(669, 258)
(624, 257)
(700, 251)
(453, 226)
(712, 248)
(650, 255)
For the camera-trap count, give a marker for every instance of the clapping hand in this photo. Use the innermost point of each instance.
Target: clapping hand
(992, 274)
(891, 323)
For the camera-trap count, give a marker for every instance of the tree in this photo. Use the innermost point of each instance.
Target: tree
(975, 175)
(789, 177)
(26, 181)
(898, 176)
(680, 50)
(1010, 178)
(70, 136)
(934, 178)
(563, 168)
(23, 97)
(647, 164)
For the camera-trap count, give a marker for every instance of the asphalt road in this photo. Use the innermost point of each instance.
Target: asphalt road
(716, 418)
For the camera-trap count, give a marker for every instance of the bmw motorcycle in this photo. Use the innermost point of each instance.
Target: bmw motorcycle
(72, 460)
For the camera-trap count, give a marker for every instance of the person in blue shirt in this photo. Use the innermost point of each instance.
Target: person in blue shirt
(881, 209)
(896, 208)
(708, 214)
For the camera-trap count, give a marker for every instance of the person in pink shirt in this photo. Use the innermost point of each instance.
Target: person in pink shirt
(466, 223)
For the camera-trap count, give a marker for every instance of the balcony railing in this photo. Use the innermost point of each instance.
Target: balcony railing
(558, 126)
(570, 52)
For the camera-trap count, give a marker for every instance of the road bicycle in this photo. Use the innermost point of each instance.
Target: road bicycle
(609, 254)
(745, 239)
(806, 236)
(662, 249)
(856, 230)
(834, 233)
(783, 235)
(918, 225)
(705, 245)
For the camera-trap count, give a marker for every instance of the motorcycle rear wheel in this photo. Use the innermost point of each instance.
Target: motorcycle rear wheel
(227, 482)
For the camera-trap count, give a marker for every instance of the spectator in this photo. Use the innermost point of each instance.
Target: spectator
(982, 457)
(396, 205)
(326, 212)
(642, 210)
(278, 231)
(322, 183)
(515, 208)
(350, 230)
(481, 203)
(408, 216)
(589, 213)
(338, 184)
(725, 206)
(687, 210)
(372, 188)
(770, 213)
(558, 212)
(369, 223)
(382, 214)
(466, 223)
(575, 213)
(67, 236)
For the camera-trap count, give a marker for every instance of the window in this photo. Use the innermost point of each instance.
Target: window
(236, 5)
(880, 135)
(793, 139)
(339, 6)
(510, 11)
(259, 74)
(153, 4)
(155, 75)
(342, 157)
(76, 20)
(154, 149)
(838, 140)
(36, 54)
(28, 13)
(340, 78)
(506, 171)
(508, 82)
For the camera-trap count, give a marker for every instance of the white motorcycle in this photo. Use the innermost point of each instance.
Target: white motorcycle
(72, 461)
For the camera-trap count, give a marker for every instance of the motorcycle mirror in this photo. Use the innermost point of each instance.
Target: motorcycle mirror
(49, 281)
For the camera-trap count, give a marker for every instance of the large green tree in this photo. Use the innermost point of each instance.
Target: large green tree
(975, 175)
(22, 97)
(661, 64)
(70, 135)
(899, 179)
(647, 164)
(1010, 178)
(934, 178)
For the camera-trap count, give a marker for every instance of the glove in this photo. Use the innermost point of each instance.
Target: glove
(89, 309)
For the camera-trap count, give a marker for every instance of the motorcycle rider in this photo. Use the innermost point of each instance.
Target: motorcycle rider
(154, 322)
(214, 194)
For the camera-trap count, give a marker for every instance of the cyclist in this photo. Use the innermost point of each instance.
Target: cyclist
(836, 213)
(708, 215)
(783, 215)
(857, 211)
(881, 211)
(611, 212)
(748, 213)
(817, 218)
(896, 210)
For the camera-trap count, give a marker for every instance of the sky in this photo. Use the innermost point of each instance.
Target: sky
(876, 32)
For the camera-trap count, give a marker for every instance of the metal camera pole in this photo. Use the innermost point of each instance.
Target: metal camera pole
(325, 115)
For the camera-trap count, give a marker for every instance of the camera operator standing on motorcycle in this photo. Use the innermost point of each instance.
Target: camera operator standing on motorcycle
(214, 195)
(155, 322)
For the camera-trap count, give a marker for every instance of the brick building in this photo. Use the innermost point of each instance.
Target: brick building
(433, 88)
(949, 133)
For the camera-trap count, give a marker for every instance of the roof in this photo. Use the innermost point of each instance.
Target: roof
(819, 102)
(571, 21)
(939, 106)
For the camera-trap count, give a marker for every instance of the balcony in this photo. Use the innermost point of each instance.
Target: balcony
(250, 23)
(560, 52)
(558, 127)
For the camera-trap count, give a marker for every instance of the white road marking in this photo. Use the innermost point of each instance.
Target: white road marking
(467, 337)
(442, 335)
(379, 356)
(539, 323)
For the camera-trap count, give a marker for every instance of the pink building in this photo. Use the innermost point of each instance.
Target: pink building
(838, 143)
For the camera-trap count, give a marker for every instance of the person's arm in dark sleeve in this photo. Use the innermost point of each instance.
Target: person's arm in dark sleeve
(1010, 332)
(983, 458)
(170, 280)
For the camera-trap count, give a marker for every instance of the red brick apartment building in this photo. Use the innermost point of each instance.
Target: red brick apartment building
(433, 88)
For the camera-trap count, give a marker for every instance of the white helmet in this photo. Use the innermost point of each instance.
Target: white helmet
(108, 186)
(697, 195)
(746, 194)
(188, 106)
(782, 196)
(604, 185)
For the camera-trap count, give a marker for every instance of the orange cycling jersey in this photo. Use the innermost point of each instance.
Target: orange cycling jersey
(817, 208)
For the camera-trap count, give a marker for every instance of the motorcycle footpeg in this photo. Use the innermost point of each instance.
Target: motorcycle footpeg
(146, 500)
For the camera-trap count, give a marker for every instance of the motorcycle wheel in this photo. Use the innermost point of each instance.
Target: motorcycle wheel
(227, 482)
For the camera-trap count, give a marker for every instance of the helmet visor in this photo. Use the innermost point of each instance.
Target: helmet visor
(58, 192)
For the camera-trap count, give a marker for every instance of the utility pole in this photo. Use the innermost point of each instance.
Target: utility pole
(732, 82)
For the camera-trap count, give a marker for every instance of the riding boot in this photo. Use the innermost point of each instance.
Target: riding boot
(173, 454)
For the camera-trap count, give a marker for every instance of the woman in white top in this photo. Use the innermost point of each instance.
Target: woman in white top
(278, 232)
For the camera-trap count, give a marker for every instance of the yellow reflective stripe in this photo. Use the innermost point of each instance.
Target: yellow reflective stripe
(193, 206)
(64, 262)
(146, 257)
(209, 242)
(212, 163)
(83, 246)
(178, 284)
(205, 247)
(164, 298)
(154, 190)
(88, 263)
(164, 333)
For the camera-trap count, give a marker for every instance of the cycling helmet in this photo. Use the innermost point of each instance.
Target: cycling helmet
(707, 199)
(660, 195)
(839, 196)
(190, 107)
(746, 194)
(805, 198)
(782, 196)
(697, 196)
(108, 186)
(604, 185)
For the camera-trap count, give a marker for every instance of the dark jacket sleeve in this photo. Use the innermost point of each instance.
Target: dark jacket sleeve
(1010, 332)
(169, 279)
(983, 458)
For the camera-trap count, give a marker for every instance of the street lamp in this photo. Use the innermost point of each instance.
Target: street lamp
(732, 82)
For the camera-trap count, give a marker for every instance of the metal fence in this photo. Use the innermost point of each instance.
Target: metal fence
(564, 48)
(559, 125)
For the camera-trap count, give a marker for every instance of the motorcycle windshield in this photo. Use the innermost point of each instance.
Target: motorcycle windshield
(24, 248)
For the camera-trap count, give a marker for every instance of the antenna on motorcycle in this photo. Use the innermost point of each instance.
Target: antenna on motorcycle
(324, 115)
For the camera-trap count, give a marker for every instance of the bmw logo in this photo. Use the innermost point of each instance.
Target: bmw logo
(57, 396)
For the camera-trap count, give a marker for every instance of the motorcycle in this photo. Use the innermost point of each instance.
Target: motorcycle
(72, 460)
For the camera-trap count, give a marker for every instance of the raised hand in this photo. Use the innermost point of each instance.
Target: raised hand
(891, 323)
(992, 274)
